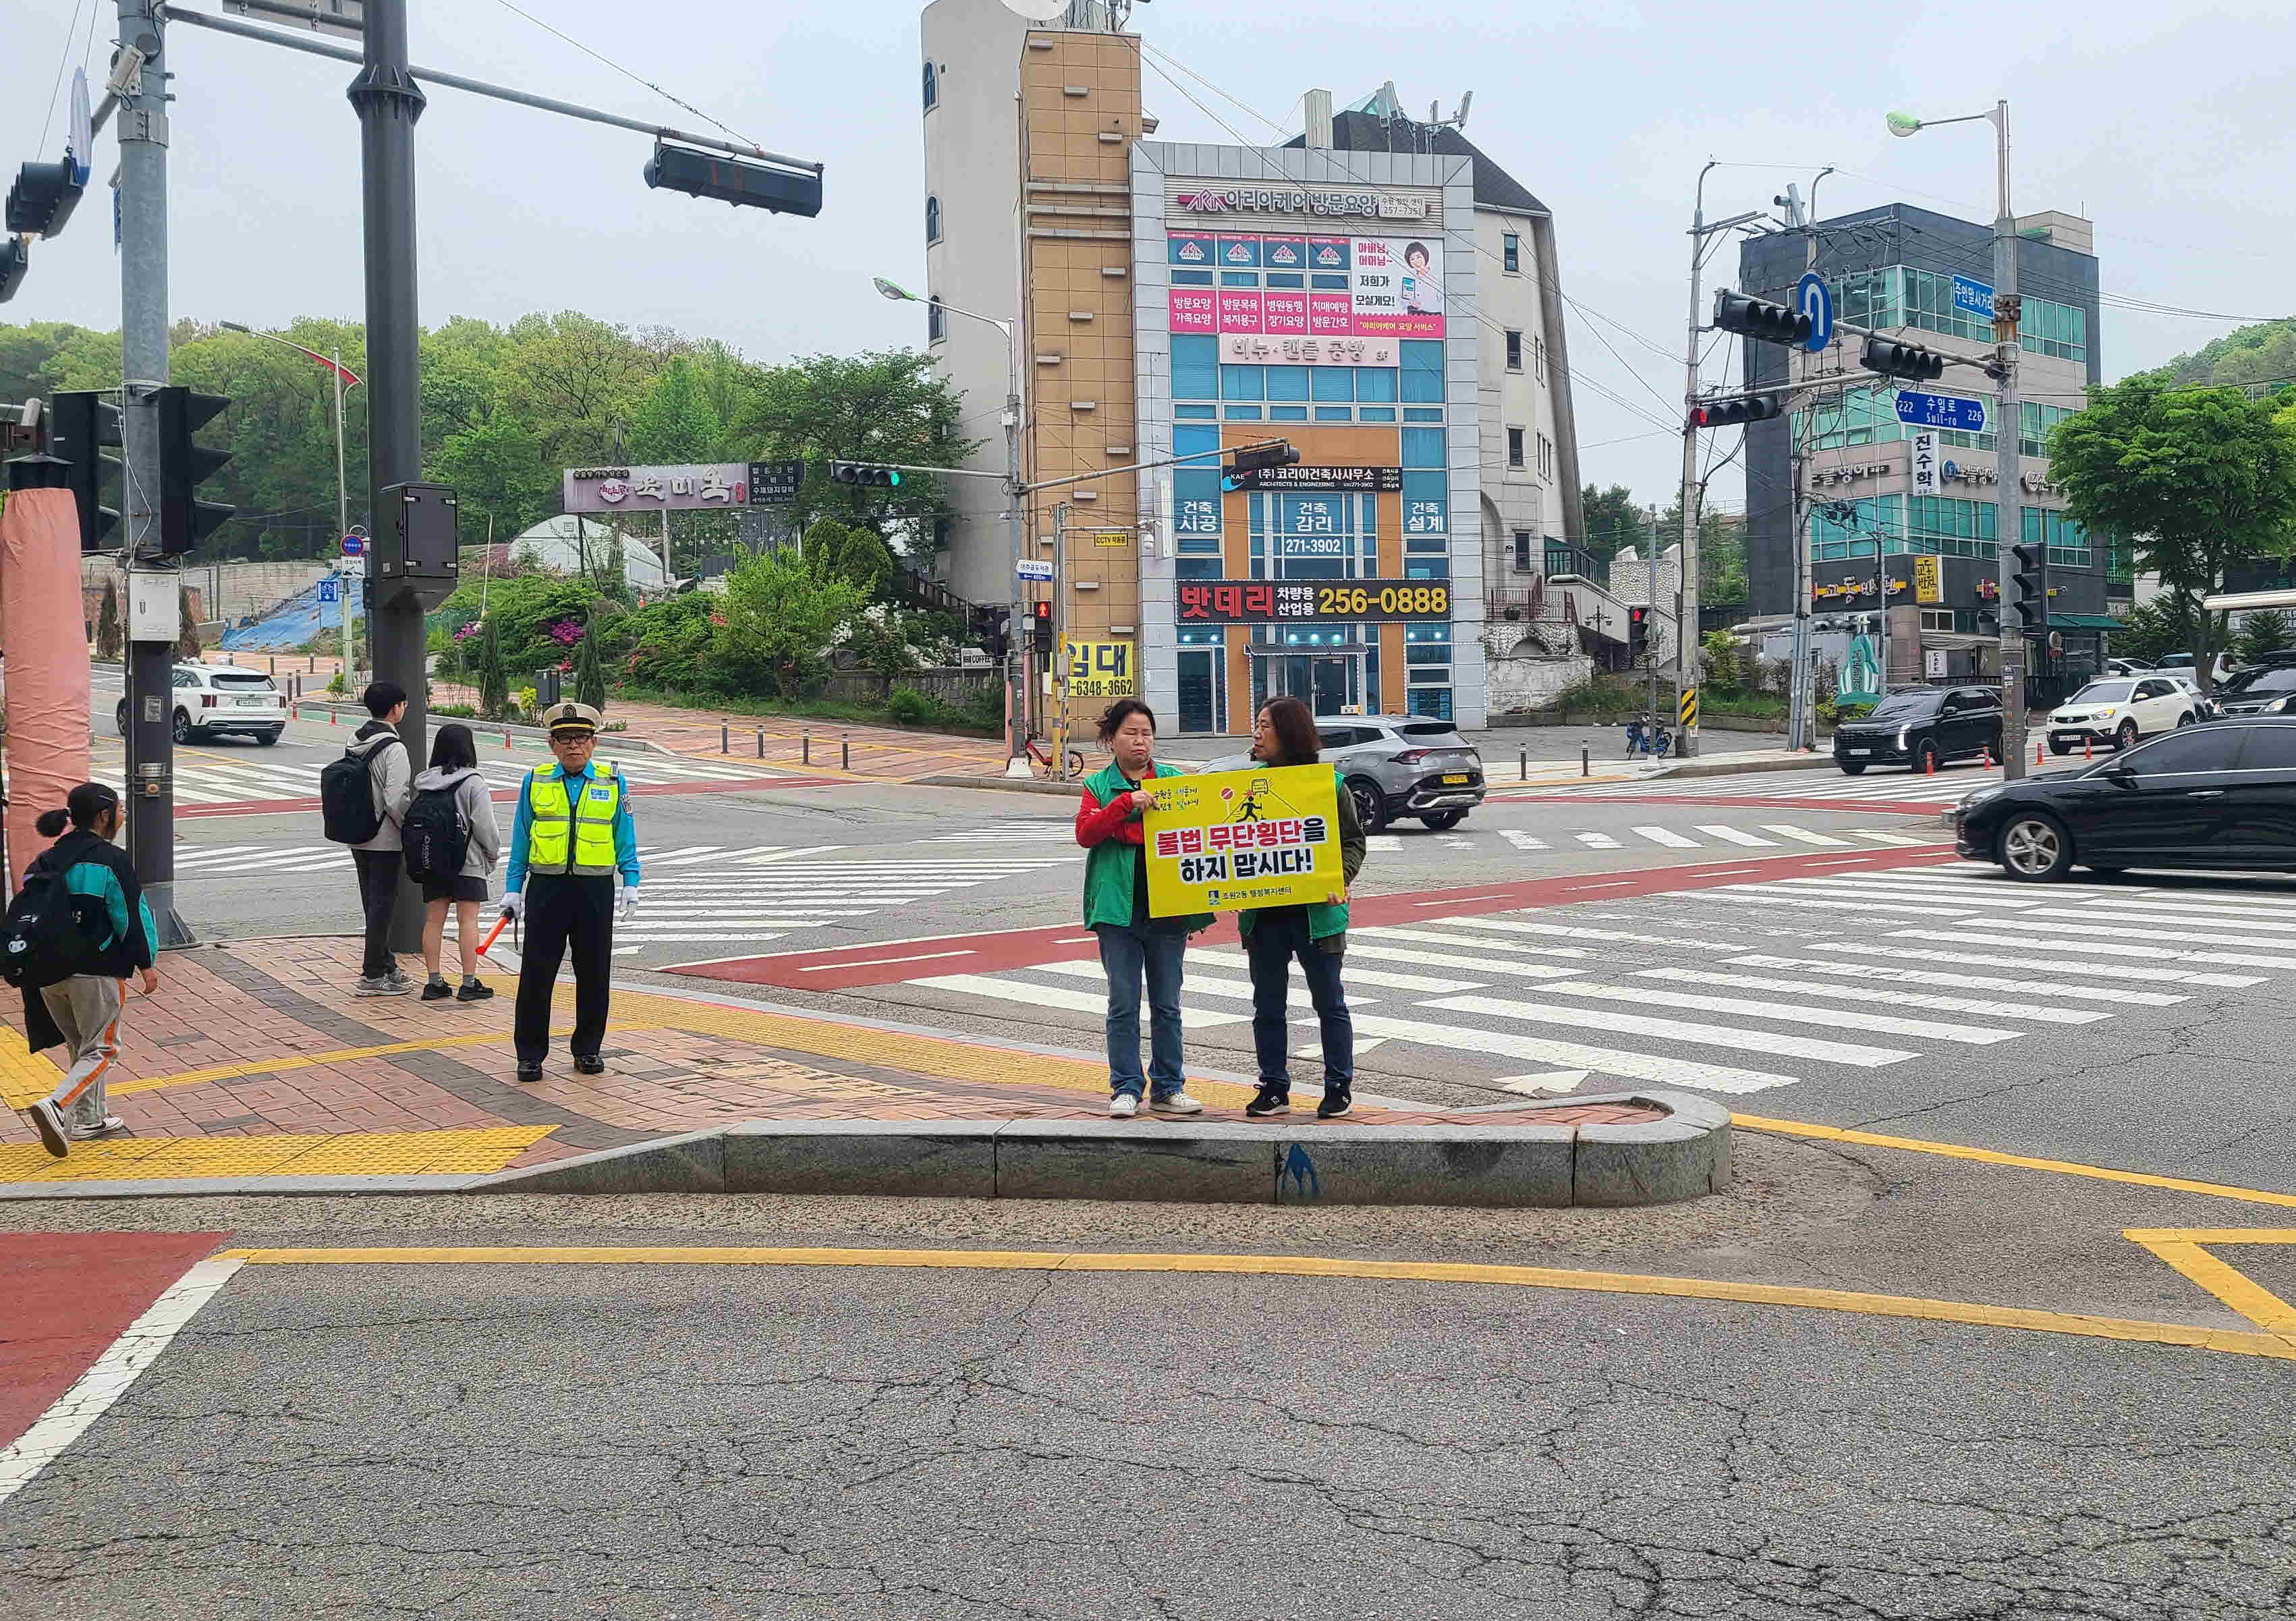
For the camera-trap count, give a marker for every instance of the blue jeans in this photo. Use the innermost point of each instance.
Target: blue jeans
(1127, 954)
(1279, 934)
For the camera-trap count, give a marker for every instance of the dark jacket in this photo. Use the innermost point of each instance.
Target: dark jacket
(1327, 920)
(99, 869)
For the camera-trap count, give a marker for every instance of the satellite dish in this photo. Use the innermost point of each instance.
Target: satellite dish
(1036, 11)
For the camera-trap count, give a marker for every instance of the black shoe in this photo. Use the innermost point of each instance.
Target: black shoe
(592, 1066)
(473, 990)
(436, 990)
(1273, 1099)
(1334, 1104)
(530, 1072)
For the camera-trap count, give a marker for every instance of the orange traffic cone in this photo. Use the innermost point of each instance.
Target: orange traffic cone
(2037, 754)
(1929, 765)
(2086, 752)
(1988, 756)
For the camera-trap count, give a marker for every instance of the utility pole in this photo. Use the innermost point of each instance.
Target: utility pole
(389, 102)
(1802, 707)
(144, 368)
(1687, 746)
(1649, 652)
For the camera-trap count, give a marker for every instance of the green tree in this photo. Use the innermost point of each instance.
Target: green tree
(109, 632)
(1721, 551)
(675, 422)
(485, 662)
(2264, 630)
(2152, 631)
(781, 611)
(187, 639)
(499, 472)
(852, 553)
(2259, 357)
(2202, 478)
(1613, 521)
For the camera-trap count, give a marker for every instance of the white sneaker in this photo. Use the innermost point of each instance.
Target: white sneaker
(1124, 1106)
(1175, 1103)
(102, 1128)
(48, 1120)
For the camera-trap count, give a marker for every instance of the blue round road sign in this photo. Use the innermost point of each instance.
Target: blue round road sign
(353, 545)
(1814, 300)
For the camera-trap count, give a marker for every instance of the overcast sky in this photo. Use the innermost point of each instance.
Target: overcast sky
(2167, 125)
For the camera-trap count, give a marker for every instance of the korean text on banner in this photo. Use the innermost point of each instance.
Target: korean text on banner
(1235, 840)
(1929, 580)
(1099, 669)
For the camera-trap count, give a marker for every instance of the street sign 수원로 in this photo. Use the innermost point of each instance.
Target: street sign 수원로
(775, 483)
(1972, 298)
(1030, 568)
(1814, 300)
(1951, 411)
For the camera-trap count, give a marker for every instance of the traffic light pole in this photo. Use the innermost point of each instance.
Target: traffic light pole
(150, 676)
(389, 102)
(2005, 455)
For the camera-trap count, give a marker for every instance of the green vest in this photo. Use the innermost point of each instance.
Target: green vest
(591, 823)
(1324, 918)
(1109, 866)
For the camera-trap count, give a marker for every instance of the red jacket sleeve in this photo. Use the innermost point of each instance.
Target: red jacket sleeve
(1097, 823)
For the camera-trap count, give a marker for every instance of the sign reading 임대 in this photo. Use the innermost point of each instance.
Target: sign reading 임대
(1259, 601)
(1233, 841)
(682, 488)
(1099, 669)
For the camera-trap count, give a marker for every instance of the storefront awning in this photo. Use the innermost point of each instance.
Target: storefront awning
(2084, 622)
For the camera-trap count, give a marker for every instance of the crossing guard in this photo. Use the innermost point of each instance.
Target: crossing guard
(573, 832)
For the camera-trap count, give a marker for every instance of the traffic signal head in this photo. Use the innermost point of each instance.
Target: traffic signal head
(1736, 413)
(16, 259)
(42, 199)
(1253, 458)
(2028, 588)
(80, 426)
(1910, 361)
(757, 185)
(1759, 318)
(868, 474)
(185, 519)
(1637, 627)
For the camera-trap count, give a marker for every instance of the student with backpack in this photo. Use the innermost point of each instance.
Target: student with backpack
(362, 800)
(75, 930)
(451, 840)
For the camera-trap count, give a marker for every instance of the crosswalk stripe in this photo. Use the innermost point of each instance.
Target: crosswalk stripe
(1667, 836)
(2093, 970)
(2115, 914)
(1881, 891)
(1790, 1012)
(2081, 935)
(1515, 837)
(1193, 985)
(1564, 931)
(2212, 909)
(1677, 1030)
(1897, 840)
(1870, 972)
(1059, 996)
(1598, 841)
(1803, 836)
(1897, 997)
(1442, 960)
(1735, 835)
(2100, 947)
(1739, 894)
(1544, 1049)
(1354, 974)
(1460, 942)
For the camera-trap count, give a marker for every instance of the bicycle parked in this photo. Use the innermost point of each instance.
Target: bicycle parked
(1646, 737)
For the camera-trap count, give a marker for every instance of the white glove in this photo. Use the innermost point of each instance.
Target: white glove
(627, 906)
(513, 905)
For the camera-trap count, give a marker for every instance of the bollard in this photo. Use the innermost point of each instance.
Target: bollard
(2086, 752)
(1523, 765)
(2037, 754)
(505, 736)
(761, 743)
(805, 746)
(1988, 756)
(725, 737)
(271, 666)
(310, 663)
(1586, 765)
(1929, 765)
(845, 750)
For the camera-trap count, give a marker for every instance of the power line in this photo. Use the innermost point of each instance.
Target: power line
(71, 31)
(626, 73)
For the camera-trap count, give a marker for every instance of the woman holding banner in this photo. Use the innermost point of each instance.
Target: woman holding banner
(1132, 944)
(1316, 934)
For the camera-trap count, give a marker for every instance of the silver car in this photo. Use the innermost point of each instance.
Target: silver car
(1396, 766)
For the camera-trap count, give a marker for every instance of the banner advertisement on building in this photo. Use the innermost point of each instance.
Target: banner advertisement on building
(1233, 840)
(1365, 480)
(1260, 602)
(1099, 669)
(1924, 464)
(1929, 580)
(683, 487)
(1354, 286)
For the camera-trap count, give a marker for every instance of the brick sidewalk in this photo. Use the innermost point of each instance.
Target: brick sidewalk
(256, 1060)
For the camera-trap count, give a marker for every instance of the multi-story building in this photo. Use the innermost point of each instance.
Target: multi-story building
(1377, 292)
(1925, 278)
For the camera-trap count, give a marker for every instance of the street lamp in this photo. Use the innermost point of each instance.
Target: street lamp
(1016, 687)
(2006, 430)
(343, 380)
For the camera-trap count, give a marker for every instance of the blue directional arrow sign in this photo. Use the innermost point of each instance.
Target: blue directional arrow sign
(1942, 411)
(1814, 300)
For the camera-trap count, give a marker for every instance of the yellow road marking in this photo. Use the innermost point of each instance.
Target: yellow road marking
(476, 1151)
(1953, 1150)
(2182, 1248)
(2231, 1342)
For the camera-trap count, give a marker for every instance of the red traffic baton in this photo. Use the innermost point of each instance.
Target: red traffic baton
(494, 933)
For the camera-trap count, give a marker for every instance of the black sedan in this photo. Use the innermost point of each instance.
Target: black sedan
(2221, 794)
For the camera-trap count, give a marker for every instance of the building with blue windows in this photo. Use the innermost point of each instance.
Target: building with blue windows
(1873, 518)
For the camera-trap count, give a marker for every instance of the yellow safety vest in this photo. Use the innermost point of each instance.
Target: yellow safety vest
(591, 822)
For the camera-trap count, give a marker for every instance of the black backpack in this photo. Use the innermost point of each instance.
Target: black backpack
(346, 798)
(435, 836)
(50, 935)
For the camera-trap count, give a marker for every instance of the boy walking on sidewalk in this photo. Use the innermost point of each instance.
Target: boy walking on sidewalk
(390, 781)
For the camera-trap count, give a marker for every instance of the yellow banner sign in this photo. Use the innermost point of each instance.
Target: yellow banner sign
(1233, 840)
(1929, 579)
(1099, 669)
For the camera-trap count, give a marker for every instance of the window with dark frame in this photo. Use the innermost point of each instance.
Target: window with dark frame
(1514, 447)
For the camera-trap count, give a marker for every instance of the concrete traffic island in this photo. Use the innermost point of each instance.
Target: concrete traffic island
(1643, 1147)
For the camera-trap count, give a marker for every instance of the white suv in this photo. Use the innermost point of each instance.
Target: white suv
(2122, 711)
(215, 699)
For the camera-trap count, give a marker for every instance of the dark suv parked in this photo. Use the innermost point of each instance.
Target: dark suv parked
(1922, 727)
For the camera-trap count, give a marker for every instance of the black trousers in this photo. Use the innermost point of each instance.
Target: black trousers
(378, 879)
(562, 912)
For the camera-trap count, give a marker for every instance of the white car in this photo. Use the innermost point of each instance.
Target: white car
(214, 700)
(2122, 711)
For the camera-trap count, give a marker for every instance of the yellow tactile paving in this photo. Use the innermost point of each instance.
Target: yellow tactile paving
(351, 1154)
(25, 1076)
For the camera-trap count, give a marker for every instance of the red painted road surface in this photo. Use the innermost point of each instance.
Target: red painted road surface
(848, 968)
(503, 796)
(69, 1296)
